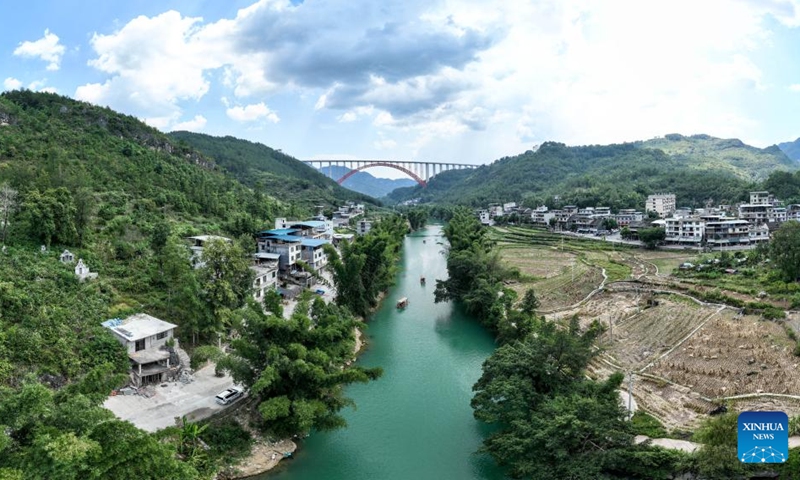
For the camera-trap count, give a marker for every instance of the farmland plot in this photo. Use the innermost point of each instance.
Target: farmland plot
(640, 339)
(559, 278)
(605, 307)
(733, 355)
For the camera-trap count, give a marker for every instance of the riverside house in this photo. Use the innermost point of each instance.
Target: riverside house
(145, 339)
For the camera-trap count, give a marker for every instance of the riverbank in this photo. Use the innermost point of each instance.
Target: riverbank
(267, 455)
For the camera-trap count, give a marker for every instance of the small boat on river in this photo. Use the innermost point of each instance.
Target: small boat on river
(402, 303)
(422, 280)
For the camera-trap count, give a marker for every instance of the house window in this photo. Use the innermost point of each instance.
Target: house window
(161, 335)
(139, 345)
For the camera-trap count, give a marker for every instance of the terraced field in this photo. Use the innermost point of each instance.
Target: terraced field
(644, 337)
(734, 355)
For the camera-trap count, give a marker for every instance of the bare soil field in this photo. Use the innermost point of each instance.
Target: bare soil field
(734, 355)
(560, 278)
(642, 338)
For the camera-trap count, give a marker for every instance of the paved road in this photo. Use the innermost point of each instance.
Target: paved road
(195, 400)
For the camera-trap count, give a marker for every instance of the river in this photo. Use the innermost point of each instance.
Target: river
(415, 422)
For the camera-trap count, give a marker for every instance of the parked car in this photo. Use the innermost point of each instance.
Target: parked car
(229, 395)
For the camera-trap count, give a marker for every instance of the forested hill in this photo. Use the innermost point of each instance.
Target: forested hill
(697, 169)
(266, 169)
(114, 169)
(791, 149)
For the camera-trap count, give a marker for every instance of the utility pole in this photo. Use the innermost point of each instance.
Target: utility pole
(630, 394)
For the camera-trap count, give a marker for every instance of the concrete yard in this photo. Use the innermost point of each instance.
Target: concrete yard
(195, 400)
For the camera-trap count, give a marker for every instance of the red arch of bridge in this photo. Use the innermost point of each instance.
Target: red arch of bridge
(383, 164)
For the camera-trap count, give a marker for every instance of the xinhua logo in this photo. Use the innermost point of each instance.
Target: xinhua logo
(763, 437)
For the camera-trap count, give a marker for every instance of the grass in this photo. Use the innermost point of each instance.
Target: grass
(645, 424)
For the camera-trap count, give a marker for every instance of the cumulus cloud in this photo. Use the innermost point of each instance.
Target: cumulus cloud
(251, 113)
(195, 124)
(522, 72)
(12, 83)
(795, 87)
(46, 48)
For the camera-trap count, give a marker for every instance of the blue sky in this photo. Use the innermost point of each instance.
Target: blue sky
(452, 80)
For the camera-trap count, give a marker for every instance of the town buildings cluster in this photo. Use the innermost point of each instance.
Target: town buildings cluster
(287, 259)
(742, 226)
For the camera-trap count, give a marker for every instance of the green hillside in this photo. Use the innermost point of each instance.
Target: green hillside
(697, 169)
(703, 152)
(791, 149)
(269, 170)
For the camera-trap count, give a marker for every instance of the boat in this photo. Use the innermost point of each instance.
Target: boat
(423, 241)
(422, 280)
(402, 303)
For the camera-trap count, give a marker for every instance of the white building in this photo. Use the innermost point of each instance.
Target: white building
(144, 338)
(363, 227)
(266, 273)
(684, 231)
(662, 203)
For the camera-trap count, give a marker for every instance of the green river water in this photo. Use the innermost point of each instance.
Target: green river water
(414, 423)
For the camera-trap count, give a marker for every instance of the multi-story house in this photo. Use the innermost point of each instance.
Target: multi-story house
(284, 243)
(725, 233)
(145, 340)
(541, 216)
(685, 231)
(661, 203)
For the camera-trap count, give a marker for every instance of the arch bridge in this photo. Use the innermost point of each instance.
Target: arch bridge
(421, 172)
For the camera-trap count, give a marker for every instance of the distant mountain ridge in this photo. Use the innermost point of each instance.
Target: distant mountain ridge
(697, 168)
(266, 169)
(791, 149)
(364, 182)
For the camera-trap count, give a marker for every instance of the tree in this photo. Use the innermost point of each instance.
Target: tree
(8, 201)
(610, 223)
(292, 366)
(652, 236)
(552, 422)
(226, 277)
(785, 250)
(529, 302)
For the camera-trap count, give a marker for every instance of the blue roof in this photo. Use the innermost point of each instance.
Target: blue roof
(310, 223)
(310, 242)
(278, 231)
(287, 238)
(114, 322)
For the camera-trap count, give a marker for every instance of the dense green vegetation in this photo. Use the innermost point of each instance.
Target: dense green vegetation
(293, 367)
(475, 272)
(267, 170)
(123, 197)
(367, 267)
(67, 434)
(697, 169)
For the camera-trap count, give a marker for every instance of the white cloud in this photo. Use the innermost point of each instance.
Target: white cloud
(40, 86)
(251, 113)
(46, 48)
(454, 74)
(384, 144)
(195, 124)
(795, 87)
(12, 83)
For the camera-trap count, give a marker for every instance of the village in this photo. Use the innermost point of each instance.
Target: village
(722, 227)
(162, 388)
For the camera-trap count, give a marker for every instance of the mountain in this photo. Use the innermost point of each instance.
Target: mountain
(123, 170)
(697, 169)
(365, 183)
(263, 168)
(791, 149)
